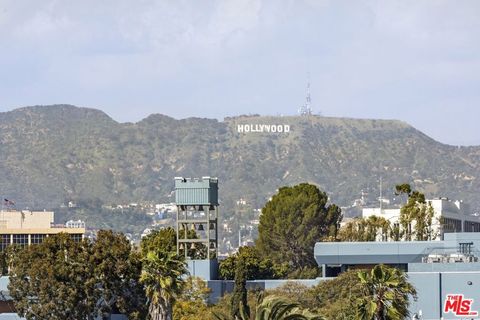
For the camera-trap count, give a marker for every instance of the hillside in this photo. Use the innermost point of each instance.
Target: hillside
(52, 154)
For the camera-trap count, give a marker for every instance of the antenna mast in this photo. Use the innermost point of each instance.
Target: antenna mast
(306, 109)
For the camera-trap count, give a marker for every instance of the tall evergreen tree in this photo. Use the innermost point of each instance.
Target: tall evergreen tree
(239, 305)
(292, 222)
(255, 266)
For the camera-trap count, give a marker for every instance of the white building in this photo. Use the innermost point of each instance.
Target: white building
(449, 216)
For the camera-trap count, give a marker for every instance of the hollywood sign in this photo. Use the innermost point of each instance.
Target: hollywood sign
(270, 128)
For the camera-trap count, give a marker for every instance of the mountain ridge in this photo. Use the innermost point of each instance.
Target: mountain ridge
(52, 154)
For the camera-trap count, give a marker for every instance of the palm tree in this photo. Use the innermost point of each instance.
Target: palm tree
(162, 276)
(387, 293)
(275, 308)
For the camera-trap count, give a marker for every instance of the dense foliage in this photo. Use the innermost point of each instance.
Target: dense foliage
(415, 222)
(161, 240)
(256, 267)
(292, 222)
(63, 279)
(165, 240)
(239, 305)
(372, 228)
(416, 216)
(192, 304)
(335, 298)
(163, 278)
(386, 294)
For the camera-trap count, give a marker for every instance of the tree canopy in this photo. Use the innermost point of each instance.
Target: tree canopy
(163, 277)
(63, 279)
(193, 302)
(256, 267)
(164, 240)
(239, 305)
(292, 222)
(386, 293)
(372, 228)
(416, 216)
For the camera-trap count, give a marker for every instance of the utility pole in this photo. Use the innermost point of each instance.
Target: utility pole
(239, 237)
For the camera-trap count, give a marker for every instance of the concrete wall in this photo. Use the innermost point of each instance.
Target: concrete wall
(433, 288)
(372, 252)
(444, 267)
(25, 219)
(394, 252)
(205, 269)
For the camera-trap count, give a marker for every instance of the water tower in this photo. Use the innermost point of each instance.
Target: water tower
(197, 217)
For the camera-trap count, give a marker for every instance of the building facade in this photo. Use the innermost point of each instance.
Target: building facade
(25, 227)
(439, 270)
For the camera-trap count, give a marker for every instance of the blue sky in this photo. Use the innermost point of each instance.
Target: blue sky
(413, 60)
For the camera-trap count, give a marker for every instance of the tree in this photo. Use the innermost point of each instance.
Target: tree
(52, 280)
(404, 188)
(296, 292)
(255, 266)
(192, 303)
(239, 305)
(115, 276)
(415, 216)
(63, 279)
(275, 308)
(365, 229)
(164, 240)
(292, 222)
(386, 294)
(162, 275)
(335, 299)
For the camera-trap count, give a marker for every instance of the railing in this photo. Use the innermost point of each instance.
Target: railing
(450, 255)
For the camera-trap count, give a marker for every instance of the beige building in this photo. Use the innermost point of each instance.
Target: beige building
(29, 227)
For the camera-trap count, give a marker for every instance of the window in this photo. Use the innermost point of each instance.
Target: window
(20, 239)
(37, 238)
(452, 225)
(4, 241)
(470, 226)
(77, 237)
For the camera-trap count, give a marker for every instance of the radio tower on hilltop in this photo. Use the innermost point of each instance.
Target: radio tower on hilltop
(306, 109)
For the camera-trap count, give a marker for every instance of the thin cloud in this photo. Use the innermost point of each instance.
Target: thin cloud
(412, 60)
